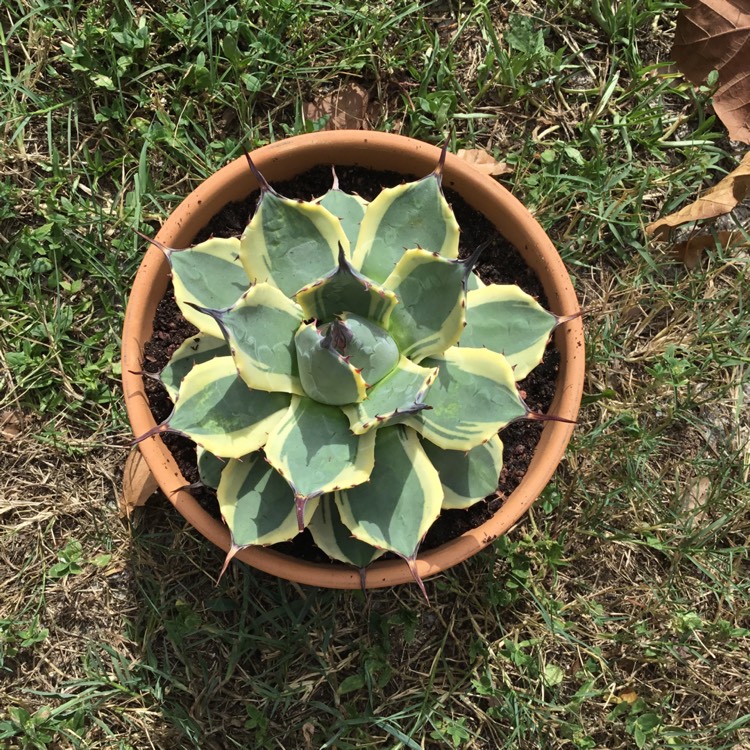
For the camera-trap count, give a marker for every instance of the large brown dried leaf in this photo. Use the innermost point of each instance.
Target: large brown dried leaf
(138, 483)
(691, 250)
(715, 35)
(346, 108)
(483, 161)
(716, 201)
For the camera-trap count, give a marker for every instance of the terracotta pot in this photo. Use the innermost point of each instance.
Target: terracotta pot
(380, 151)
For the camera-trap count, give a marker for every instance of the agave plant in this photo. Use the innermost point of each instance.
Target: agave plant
(351, 373)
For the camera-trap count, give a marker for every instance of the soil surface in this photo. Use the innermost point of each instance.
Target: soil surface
(500, 263)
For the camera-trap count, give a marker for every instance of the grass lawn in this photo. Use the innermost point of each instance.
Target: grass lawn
(616, 614)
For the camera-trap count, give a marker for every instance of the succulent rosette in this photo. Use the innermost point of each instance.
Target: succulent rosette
(351, 373)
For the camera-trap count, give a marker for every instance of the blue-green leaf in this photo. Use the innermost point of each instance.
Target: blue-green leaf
(474, 282)
(209, 467)
(472, 398)
(208, 275)
(395, 509)
(467, 476)
(505, 319)
(412, 215)
(289, 242)
(335, 539)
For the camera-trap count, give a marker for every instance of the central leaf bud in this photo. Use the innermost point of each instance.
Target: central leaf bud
(338, 361)
(337, 337)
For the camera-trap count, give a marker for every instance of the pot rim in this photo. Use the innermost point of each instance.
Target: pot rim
(378, 151)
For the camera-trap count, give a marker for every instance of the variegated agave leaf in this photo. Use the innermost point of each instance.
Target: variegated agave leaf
(260, 330)
(208, 275)
(506, 320)
(287, 243)
(399, 394)
(191, 352)
(473, 397)
(217, 410)
(335, 538)
(369, 347)
(345, 290)
(395, 509)
(413, 215)
(314, 450)
(467, 476)
(348, 209)
(430, 316)
(326, 375)
(257, 505)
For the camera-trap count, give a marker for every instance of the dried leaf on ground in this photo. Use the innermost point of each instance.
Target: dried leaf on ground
(484, 161)
(716, 201)
(741, 445)
(138, 483)
(694, 497)
(715, 35)
(11, 423)
(346, 108)
(691, 251)
(308, 734)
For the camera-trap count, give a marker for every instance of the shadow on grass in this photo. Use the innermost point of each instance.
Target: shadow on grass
(255, 660)
(572, 631)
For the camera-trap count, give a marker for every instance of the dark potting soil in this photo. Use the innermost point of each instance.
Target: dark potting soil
(500, 263)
